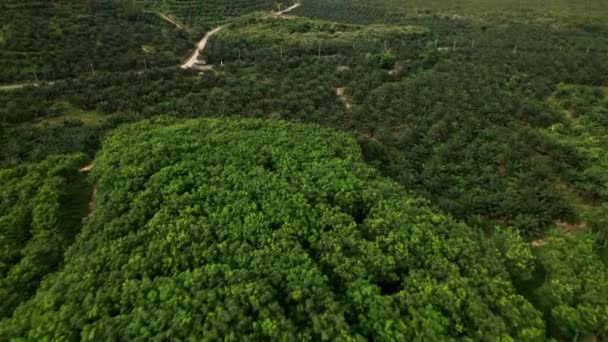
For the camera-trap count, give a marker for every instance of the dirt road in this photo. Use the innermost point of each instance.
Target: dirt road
(193, 60)
(288, 9)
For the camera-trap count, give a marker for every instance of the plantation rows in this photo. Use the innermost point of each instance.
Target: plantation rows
(262, 38)
(558, 13)
(203, 15)
(54, 40)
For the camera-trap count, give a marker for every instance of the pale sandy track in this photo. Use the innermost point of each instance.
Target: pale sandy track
(88, 168)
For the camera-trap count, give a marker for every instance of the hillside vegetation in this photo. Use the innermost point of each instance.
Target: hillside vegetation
(443, 175)
(206, 14)
(266, 230)
(259, 38)
(41, 206)
(453, 108)
(556, 13)
(47, 40)
(260, 229)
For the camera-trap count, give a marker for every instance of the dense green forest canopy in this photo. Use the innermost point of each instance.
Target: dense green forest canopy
(255, 229)
(495, 112)
(573, 295)
(263, 229)
(41, 206)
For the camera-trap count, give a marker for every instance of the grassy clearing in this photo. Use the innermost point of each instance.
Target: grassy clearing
(72, 114)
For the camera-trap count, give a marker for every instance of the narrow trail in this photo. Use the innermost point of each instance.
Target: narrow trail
(86, 169)
(169, 20)
(566, 227)
(193, 60)
(340, 92)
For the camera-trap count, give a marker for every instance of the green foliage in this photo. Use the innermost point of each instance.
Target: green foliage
(384, 60)
(60, 39)
(40, 212)
(36, 141)
(245, 229)
(486, 161)
(597, 220)
(590, 15)
(258, 37)
(575, 293)
(517, 256)
(586, 130)
(465, 128)
(205, 14)
(494, 111)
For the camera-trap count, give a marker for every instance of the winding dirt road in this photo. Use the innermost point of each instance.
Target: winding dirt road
(193, 60)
